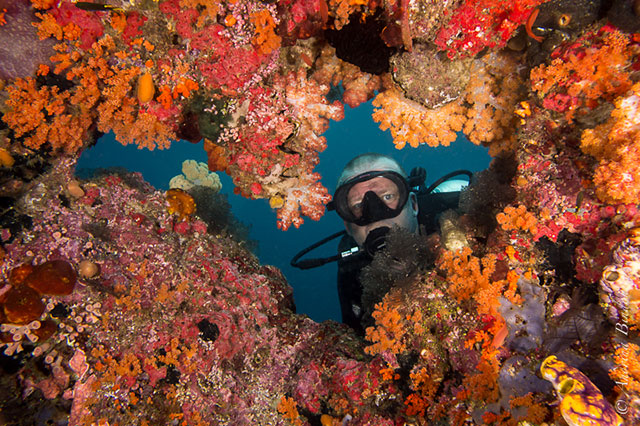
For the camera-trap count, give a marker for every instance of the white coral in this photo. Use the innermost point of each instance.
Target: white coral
(195, 174)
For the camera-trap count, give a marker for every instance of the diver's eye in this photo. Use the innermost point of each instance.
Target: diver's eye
(564, 20)
(356, 209)
(388, 197)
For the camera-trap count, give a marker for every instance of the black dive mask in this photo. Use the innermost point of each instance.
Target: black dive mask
(371, 208)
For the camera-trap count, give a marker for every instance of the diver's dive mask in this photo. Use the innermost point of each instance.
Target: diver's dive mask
(376, 204)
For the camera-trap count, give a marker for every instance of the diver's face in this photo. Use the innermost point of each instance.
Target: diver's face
(388, 192)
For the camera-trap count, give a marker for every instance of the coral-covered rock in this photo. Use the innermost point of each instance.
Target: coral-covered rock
(429, 79)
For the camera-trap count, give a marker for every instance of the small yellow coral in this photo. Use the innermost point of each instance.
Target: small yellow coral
(266, 40)
(180, 202)
(6, 159)
(276, 202)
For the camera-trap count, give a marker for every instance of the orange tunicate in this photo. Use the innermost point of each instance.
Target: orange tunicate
(6, 160)
(54, 277)
(180, 202)
(146, 89)
(22, 305)
(20, 273)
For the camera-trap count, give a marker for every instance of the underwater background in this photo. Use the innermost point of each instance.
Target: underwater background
(315, 291)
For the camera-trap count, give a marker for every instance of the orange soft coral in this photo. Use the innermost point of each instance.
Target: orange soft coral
(586, 75)
(48, 27)
(217, 156)
(388, 333)
(42, 115)
(184, 88)
(341, 10)
(330, 70)
(493, 93)
(266, 40)
(208, 9)
(412, 123)
(466, 274)
(483, 385)
(627, 368)
(416, 405)
(42, 4)
(287, 407)
(422, 381)
(517, 219)
(100, 92)
(117, 110)
(616, 145)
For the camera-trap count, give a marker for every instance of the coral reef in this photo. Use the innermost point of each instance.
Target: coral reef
(125, 305)
(147, 340)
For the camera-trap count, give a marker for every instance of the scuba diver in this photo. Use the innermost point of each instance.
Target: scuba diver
(373, 195)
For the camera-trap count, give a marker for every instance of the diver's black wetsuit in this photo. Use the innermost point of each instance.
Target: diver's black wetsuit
(349, 268)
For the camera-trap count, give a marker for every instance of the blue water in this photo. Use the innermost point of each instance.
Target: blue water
(315, 289)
